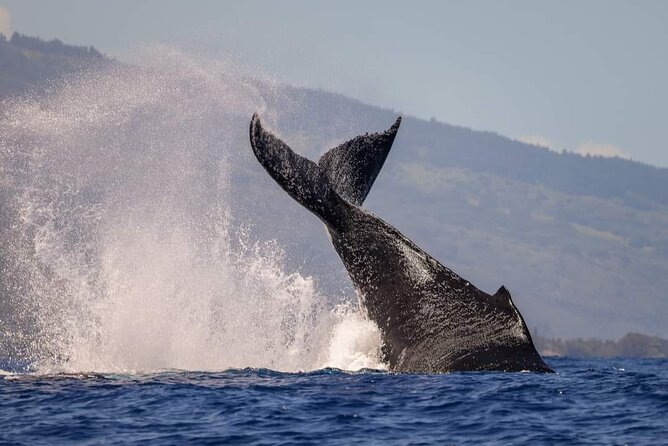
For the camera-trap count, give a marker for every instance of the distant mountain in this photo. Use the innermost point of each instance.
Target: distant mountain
(31, 63)
(631, 345)
(581, 242)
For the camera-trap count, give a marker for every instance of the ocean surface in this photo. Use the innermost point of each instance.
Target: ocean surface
(618, 401)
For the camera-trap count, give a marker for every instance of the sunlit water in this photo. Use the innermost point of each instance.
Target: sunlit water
(587, 402)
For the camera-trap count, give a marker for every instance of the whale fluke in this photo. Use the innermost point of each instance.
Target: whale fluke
(298, 176)
(347, 171)
(352, 167)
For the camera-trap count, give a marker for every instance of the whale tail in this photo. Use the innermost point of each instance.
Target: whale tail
(344, 172)
(353, 166)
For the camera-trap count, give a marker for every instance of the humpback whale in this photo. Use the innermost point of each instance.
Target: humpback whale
(431, 320)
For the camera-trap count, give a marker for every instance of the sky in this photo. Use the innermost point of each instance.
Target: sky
(587, 76)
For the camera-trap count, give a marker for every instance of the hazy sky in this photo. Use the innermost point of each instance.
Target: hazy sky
(587, 76)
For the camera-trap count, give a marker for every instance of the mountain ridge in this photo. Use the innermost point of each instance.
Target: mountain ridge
(30, 63)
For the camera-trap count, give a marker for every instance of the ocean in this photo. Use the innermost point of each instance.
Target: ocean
(588, 401)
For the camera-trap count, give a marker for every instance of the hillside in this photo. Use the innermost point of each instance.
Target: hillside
(629, 346)
(31, 63)
(581, 242)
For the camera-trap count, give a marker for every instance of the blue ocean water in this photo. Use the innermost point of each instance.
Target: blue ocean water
(620, 401)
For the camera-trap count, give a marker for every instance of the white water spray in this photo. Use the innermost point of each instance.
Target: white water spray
(129, 246)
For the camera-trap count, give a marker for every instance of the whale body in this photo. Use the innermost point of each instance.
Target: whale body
(431, 320)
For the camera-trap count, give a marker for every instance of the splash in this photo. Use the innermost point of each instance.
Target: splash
(128, 235)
